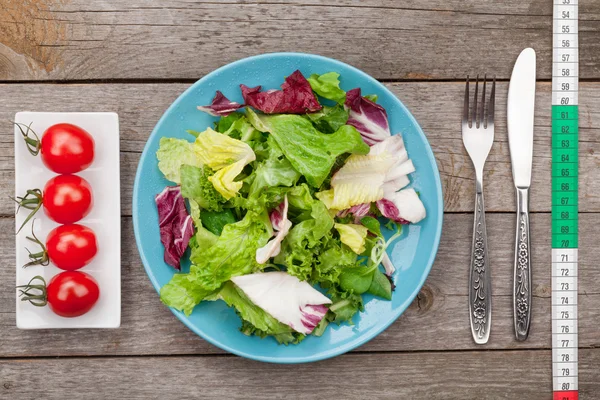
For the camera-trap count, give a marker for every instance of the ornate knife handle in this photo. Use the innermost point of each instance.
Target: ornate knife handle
(522, 269)
(480, 293)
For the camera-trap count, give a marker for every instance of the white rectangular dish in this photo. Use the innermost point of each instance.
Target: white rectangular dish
(104, 219)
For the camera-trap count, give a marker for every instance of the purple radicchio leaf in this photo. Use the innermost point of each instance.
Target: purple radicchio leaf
(176, 227)
(389, 210)
(295, 97)
(358, 211)
(281, 224)
(311, 316)
(369, 118)
(220, 106)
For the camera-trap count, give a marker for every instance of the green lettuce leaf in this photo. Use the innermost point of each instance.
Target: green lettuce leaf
(225, 122)
(243, 130)
(329, 119)
(172, 154)
(196, 186)
(274, 171)
(328, 86)
(215, 221)
(373, 225)
(182, 293)
(334, 257)
(380, 286)
(234, 252)
(312, 153)
(203, 239)
(344, 308)
(302, 245)
(256, 321)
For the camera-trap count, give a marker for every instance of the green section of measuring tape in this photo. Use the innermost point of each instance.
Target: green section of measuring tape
(565, 137)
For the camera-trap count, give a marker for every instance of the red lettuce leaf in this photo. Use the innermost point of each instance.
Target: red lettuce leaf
(295, 97)
(220, 106)
(369, 118)
(176, 227)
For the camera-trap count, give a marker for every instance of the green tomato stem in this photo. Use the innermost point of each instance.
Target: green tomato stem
(33, 144)
(27, 292)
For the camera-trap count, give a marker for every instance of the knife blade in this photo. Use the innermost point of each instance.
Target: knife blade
(521, 101)
(520, 117)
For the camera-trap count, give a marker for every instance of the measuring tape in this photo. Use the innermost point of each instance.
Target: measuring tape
(565, 134)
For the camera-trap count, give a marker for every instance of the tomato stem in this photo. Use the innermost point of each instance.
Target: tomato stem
(33, 145)
(39, 258)
(31, 201)
(27, 292)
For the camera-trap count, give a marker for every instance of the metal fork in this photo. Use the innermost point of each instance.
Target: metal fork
(478, 137)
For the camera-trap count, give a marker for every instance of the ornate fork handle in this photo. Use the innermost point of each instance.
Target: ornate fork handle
(522, 268)
(480, 294)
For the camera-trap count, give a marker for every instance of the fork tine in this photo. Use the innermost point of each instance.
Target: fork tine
(474, 120)
(483, 122)
(492, 103)
(465, 119)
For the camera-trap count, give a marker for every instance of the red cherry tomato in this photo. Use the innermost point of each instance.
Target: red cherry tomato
(71, 247)
(67, 149)
(72, 293)
(67, 198)
(69, 294)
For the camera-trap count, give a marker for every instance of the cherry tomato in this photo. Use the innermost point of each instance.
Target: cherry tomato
(67, 198)
(71, 247)
(69, 294)
(67, 149)
(72, 293)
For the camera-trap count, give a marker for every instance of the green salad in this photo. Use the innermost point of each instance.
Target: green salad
(280, 204)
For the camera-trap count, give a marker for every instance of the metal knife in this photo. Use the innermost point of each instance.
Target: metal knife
(520, 110)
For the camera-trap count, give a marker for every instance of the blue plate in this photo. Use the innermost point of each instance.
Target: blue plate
(412, 255)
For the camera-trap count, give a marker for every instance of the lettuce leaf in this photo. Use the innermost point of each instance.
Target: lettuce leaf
(172, 154)
(301, 247)
(380, 286)
(196, 186)
(224, 123)
(353, 236)
(234, 251)
(344, 308)
(243, 130)
(215, 221)
(329, 119)
(328, 86)
(182, 293)
(274, 171)
(312, 153)
(226, 156)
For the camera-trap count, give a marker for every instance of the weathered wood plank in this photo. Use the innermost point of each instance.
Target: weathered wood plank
(437, 320)
(432, 376)
(437, 107)
(181, 39)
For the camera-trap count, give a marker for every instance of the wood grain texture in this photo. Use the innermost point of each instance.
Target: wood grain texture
(436, 320)
(185, 39)
(437, 107)
(431, 375)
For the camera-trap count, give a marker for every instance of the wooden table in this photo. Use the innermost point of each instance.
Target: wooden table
(135, 57)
